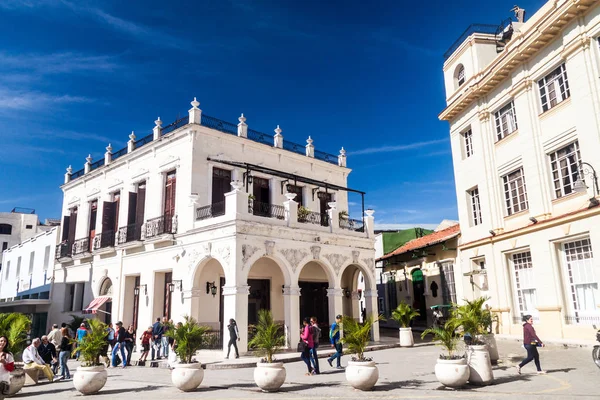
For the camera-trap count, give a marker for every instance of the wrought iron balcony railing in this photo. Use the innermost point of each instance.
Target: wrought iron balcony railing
(356, 225)
(81, 246)
(210, 211)
(313, 217)
(63, 250)
(175, 125)
(266, 209)
(104, 240)
(129, 233)
(159, 226)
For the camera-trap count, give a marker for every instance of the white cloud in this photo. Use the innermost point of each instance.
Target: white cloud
(387, 149)
(393, 227)
(57, 63)
(26, 100)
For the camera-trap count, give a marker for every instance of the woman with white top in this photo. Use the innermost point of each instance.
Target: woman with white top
(7, 365)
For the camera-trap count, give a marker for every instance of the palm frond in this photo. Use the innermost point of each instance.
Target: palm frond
(189, 337)
(446, 336)
(403, 314)
(268, 337)
(15, 327)
(356, 335)
(92, 344)
(472, 317)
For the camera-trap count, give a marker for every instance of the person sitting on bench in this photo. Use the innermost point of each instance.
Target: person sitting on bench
(32, 360)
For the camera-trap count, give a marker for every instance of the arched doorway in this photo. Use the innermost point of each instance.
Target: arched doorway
(106, 309)
(207, 298)
(418, 299)
(354, 283)
(314, 281)
(266, 281)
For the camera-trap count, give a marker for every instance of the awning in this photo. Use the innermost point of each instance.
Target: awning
(96, 304)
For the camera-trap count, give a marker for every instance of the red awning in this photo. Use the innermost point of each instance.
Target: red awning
(96, 304)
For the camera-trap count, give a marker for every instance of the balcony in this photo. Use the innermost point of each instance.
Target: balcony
(63, 251)
(355, 225)
(265, 209)
(104, 242)
(130, 235)
(81, 248)
(160, 228)
(306, 216)
(210, 211)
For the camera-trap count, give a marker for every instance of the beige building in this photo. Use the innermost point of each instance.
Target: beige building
(524, 113)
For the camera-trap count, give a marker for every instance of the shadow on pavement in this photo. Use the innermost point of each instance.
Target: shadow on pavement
(294, 387)
(413, 383)
(560, 370)
(130, 390)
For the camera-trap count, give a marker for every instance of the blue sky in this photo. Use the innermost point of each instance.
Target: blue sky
(75, 76)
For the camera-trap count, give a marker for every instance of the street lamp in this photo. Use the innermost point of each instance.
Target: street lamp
(136, 290)
(211, 288)
(579, 185)
(175, 283)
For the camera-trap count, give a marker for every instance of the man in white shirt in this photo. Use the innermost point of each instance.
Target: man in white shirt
(54, 336)
(32, 360)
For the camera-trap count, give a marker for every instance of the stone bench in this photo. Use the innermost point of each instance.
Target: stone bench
(32, 376)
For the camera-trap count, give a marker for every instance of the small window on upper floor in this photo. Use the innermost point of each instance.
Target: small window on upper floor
(506, 121)
(467, 142)
(5, 229)
(459, 76)
(28, 226)
(554, 88)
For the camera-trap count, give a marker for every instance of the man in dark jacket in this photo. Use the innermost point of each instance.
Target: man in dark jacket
(157, 333)
(47, 351)
(119, 345)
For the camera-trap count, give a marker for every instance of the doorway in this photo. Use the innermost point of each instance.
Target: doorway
(324, 200)
(262, 197)
(419, 294)
(258, 299)
(315, 303)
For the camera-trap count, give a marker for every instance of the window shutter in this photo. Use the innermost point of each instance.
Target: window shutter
(72, 226)
(141, 202)
(108, 216)
(132, 208)
(65, 232)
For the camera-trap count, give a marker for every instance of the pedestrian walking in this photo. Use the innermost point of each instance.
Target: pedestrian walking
(63, 356)
(334, 339)
(164, 341)
(7, 365)
(145, 339)
(119, 346)
(316, 331)
(234, 336)
(48, 353)
(81, 333)
(307, 338)
(111, 335)
(129, 342)
(156, 338)
(531, 342)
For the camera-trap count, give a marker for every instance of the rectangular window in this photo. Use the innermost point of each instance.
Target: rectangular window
(515, 193)
(69, 296)
(299, 194)
(448, 286)
(475, 207)
(467, 138)
(46, 258)
(221, 184)
(31, 262)
(524, 283)
(506, 121)
(18, 267)
(28, 226)
(7, 270)
(169, 205)
(564, 164)
(554, 88)
(4, 246)
(582, 286)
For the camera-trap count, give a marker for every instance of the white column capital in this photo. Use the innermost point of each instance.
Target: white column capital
(335, 292)
(234, 290)
(291, 291)
(370, 293)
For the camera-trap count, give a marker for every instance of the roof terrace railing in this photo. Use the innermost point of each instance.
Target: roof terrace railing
(473, 28)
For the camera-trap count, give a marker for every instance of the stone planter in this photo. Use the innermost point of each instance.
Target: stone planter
(187, 377)
(269, 376)
(362, 375)
(452, 373)
(490, 341)
(406, 337)
(480, 365)
(89, 380)
(17, 381)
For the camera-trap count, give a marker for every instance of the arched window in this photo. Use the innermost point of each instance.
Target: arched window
(106, 287)
(459, 76)
(5, 229)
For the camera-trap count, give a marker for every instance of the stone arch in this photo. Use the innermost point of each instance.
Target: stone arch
(459, 76)
(354, 301)
(205, 307)
(367, 273)
(284, 266)
(105, 287)
(325, 267)
(266, 277)
(315, 278)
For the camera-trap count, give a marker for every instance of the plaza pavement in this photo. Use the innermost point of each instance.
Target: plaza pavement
(404, 373)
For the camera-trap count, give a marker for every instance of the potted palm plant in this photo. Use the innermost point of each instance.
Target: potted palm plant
(15, 327)
(470, 317)
(269, 374)
(489, 319)
(451, 368)
(303, 213)
(403, 314)
(91, 375)
(189, 338)
(361, 373)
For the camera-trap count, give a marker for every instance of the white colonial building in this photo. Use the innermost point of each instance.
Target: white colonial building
(18, 225)
(26, 281)
(523, 103)
(217, 221)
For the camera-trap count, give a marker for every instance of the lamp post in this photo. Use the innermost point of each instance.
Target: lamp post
(579, 185)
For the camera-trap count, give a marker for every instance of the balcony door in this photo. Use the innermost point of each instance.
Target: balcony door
(71, 227)
(324, 199)
(262, 196)
(135, 214)
(92, 225)
(221, 184)
(169, 208)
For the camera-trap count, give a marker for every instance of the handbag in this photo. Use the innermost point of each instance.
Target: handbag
(302, 346)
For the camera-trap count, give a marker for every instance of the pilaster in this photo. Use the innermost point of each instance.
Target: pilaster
(291, 306)
(235, 305)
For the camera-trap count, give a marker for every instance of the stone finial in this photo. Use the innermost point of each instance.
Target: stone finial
(89, 159)
(69, 170)
(68, 174)
(156, 131)
(108, 154)
(109, 148)
(342, 158)
(310, 149)
(278, 138)
(131, 142)
(158, 122)
(88, 164)
(195, 114)
(242, 126)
